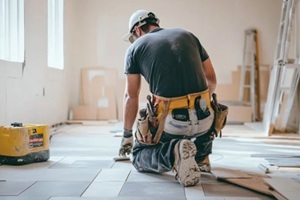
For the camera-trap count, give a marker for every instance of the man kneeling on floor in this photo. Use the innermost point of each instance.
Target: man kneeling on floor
(175, 131)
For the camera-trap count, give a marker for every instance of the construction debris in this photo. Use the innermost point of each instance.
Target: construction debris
(248, 180)
(281, 160)
(264, 168)
(285, 188)
(281, 188)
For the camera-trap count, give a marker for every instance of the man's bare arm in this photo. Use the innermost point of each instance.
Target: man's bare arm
(131, 99)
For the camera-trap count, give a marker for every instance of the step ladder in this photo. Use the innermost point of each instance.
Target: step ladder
(280, 70)
(249, 78)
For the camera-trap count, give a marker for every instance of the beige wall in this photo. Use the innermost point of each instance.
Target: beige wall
(93, 37)
(99, 26)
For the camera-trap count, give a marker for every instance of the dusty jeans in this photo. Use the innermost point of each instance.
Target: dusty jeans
(159, 158)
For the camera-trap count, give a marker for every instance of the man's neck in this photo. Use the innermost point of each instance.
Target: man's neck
(153, 27)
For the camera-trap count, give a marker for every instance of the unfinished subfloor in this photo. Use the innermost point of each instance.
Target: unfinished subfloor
(81, 167)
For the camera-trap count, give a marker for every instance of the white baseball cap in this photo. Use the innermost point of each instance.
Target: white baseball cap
(138, 18)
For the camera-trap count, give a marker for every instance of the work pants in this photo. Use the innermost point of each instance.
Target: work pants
(159, 158)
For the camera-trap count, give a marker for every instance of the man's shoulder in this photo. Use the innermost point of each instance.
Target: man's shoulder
(175, 30)
(179, 32)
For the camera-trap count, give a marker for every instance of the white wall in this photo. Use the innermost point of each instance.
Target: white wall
(35, 93)
(219, 24)
(93, 37)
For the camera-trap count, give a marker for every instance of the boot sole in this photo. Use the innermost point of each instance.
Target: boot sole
(188, 170)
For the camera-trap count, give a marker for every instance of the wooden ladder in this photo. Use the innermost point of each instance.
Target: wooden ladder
(249, 81)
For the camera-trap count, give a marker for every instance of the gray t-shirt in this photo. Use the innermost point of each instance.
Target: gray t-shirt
(170, 61)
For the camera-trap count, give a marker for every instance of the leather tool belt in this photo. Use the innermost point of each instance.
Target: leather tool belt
(187, 101)
(189, 115)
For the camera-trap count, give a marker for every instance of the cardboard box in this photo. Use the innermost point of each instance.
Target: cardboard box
(98, 90)
(84, 112)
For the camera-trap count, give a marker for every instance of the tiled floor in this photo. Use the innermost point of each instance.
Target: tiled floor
(81, 167)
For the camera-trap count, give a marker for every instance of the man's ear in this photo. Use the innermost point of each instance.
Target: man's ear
(138, 31)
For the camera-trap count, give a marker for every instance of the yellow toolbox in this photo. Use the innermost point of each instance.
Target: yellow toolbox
(24, 143)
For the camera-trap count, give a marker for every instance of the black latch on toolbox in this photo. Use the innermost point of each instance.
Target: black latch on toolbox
(17, 124)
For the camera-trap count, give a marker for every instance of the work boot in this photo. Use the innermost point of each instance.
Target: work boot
(204, 165)
(185, 166)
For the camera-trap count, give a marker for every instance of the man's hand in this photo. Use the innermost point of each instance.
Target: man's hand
(126, 144)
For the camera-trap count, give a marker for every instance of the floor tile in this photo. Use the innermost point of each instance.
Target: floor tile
(110, 175)
(208, 178)
(167, 190)
(21, 198)
(13, 188)
(88, 164)
(81, 167)
(75, 198)
(115, 198)
(123, 165)
(195, 192)
(48, 174)
(136, 176)
(53, 188)
(103, 189)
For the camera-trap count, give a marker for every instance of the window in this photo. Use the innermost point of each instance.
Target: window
(55, 34)
(12, 30)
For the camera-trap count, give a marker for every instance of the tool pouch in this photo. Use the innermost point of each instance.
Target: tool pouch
(143, 130)
(150, 128)
(221, 112)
